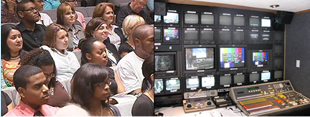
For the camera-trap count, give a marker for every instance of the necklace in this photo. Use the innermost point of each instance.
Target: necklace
(15, 58)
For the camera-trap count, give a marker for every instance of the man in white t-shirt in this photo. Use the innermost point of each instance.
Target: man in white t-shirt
(129, 67)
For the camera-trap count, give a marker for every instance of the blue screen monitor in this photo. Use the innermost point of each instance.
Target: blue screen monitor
(232, 57)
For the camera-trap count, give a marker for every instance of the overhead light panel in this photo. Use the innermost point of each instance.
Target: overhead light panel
(274, 6)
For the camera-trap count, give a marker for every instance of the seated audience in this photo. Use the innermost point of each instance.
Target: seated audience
(45, 18)
(106, 11)
(43, 59)
(93, 51)
(98, 28)
(11, 50)
(129, 25)
(32, 33)
(67, 111)
(66, 17)
(129, 67)
(91, 90)
(56, 42)
(80, 16)
(31, 85)
(51, 4)
(134, 7)
(8, 13)
(6, 103)
(145, 101)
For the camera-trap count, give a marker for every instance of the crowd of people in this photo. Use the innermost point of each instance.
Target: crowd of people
(51, 67)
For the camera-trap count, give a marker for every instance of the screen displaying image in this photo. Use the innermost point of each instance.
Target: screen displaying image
(171, 18)
(225, 80)
(191, 35)
(265, 36)
(207, 81)
(158, 85)
(157, 34)
(207, 19)
(157, 18)
(238, 35)
(254, 77)
(206, 35)
(265, 76)
(192, 83)
(171, 34)
(224, 35)
(254, 22)
(225, 20)
(259, 58)
(173, 84)
(191, 18)
(238, 21)
(232, 57)
(164, 62)
(278, 74)
(199, 58)
(254, 36)
(239, 79)
(266, 23)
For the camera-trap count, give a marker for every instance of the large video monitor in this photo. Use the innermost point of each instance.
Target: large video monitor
(190, 17)
(239, 79)
(158, 86)
(158, 34)
(225, 80)
(208, 82)
(171, 35)
(239, 36)
(173, 85)
(254, 77)
(191, 36)
(166, 64)
(232, 57)
(254, 21)
(192, 83)
(278, 50)
(239, 20)
(207, 36)
(172, 17)
(224, 36)
(207, 18)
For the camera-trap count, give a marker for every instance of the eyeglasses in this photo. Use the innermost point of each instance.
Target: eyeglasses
(104, 83)
(51, 75)
(32, 9)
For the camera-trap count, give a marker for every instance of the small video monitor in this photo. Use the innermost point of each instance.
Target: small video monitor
(239, 20)
(199, 58)
(232, 57)
(190, 18)
(157, 18)
(173, 85)
(207, 34)
(171, 18)
(278, 62)
(190, 34)
(239, 79)
(254, 77)
(278, 36)
(254, 22)
(224, 35)
(278, 74)
(207, 81)
(238, 35)
(164, 62)
(278, 50)
(158, 86)
(266, 23)
(225, 80)
(192, 83)
(157, 35)
(171, 34)
(259, 58)
(207, 18)
(225, 20)
(265, 76)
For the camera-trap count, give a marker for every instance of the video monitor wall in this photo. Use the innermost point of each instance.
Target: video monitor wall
(232, 57)
(199, 58)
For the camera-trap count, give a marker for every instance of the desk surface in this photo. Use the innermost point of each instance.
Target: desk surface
(217, 112)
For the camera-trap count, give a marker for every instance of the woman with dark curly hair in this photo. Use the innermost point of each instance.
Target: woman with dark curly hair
(91, 90)
(43, 59)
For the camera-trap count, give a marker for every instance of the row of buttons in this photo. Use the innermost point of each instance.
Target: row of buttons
(257, 90)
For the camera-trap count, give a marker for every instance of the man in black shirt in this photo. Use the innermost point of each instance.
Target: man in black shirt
(32, 33)
(134, 7)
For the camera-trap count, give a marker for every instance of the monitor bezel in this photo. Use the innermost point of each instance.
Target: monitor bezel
(245, 20)
(278, 67)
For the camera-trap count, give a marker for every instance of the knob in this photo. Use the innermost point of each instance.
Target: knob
(189, 105)
(209, 102)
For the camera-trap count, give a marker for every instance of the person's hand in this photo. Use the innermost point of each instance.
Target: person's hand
(11, 5)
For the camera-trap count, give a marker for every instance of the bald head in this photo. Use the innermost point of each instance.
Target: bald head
(143, 31)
